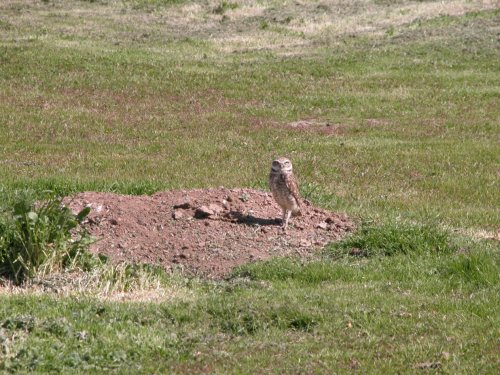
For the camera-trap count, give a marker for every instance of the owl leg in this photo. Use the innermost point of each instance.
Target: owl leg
(286, 217)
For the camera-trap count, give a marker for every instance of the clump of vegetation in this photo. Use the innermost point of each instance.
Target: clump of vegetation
(388, 240)
(479, 268)
(39, 237)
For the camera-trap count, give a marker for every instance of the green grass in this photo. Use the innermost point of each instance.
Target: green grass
(378, 314)
(138, 96)
(113, 109)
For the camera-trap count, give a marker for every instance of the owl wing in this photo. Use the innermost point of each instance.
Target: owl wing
(291, 184)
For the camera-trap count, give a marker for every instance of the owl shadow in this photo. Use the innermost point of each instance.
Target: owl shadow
(241, 218)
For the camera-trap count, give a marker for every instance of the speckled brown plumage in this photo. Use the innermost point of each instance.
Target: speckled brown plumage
(285, 189)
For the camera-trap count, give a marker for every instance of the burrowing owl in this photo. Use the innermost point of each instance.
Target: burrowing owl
(285, 189)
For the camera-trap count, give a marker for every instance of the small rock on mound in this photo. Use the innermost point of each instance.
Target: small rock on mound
(206, 232)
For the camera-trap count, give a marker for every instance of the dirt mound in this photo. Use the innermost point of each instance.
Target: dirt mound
(205, 232)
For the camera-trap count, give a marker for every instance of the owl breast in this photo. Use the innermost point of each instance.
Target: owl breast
(282, 193)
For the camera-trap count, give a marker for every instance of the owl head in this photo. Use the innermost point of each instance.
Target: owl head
(282, 165)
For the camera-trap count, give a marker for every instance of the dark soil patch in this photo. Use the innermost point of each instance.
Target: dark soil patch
(204, 232)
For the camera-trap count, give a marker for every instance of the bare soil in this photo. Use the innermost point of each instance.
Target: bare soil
(205, 232)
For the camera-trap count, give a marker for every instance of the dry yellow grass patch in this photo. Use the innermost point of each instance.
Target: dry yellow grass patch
(91, 284)
(244, 25)
(374, 18)
(327, 20)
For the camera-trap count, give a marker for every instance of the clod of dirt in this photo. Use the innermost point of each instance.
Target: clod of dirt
(177, 215)
(206, 232)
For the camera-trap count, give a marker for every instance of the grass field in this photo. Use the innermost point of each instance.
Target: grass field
(136, 96)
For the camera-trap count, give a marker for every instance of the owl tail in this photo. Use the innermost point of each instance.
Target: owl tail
(297, 212)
